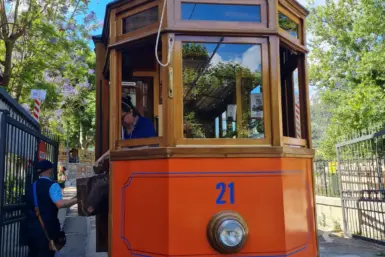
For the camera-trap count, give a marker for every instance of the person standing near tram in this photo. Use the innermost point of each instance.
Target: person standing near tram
(44, 199)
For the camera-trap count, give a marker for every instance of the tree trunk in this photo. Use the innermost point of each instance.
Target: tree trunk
(8, 62)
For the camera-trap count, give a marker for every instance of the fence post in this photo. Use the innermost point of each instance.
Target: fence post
(344, 218)
(55, 158)
(3, 133)
(379, 170)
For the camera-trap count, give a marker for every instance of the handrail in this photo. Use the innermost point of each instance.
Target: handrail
(17, 108)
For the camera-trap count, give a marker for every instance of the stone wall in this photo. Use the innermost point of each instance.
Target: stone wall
(329, 213)
(78, 170)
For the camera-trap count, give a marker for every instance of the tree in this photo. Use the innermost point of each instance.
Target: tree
(347, 59)
(18, 18)
(42, 47)
(320, 119)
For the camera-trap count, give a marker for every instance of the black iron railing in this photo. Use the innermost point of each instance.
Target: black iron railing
(326, 178)
(19, 152)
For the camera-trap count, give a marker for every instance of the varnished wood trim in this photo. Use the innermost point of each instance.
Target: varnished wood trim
(266, 90)
(272, 14)
(211, 152)
(291, 42)
(144, 74)
(169, 105)
(178, 89)
(131, 5)
(112, 34)
(291, 15)
(140, 142)
(223, 141)
(137, 34)
(295, 7)
(276, 102)
(114, 97)
(294, 141)
(295, 17)
(226, 40)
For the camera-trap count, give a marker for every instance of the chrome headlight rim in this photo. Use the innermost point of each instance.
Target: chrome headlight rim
(213, 234)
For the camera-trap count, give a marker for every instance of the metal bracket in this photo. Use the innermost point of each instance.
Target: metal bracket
(170, 82)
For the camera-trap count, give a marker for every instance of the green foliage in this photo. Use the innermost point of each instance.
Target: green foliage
(195, 51)
(347, 59)
(197, 81)
(42, 47)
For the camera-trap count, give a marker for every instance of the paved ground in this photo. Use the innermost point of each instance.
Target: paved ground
(344, 247)
(81, 238)
(80, 231)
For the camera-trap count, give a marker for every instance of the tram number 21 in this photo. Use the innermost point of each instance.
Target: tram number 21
(222, 193)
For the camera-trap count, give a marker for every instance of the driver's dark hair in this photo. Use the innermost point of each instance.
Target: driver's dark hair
(127, 106)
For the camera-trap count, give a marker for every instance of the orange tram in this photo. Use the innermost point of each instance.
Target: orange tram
(229, 168)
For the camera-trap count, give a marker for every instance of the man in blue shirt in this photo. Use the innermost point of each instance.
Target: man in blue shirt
(49, 199)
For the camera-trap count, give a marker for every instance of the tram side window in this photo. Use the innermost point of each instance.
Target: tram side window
(137, 110)
(291, 112)
(222, 90)
(288, 25)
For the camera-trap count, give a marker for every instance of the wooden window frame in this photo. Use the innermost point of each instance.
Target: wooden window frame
(139, 33)
(296, 18)
(220, 25)
(178, 91)
(116, 142)
(304, 101)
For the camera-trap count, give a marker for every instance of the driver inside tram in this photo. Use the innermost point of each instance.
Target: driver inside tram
(133, 124)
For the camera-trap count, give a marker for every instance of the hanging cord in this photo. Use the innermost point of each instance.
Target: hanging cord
(170, 40)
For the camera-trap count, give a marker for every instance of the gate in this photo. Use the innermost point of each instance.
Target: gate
(361, 174)
(21, 147)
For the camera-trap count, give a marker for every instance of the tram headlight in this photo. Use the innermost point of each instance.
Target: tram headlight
(227, 232)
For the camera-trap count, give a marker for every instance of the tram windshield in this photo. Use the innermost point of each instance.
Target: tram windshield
(222, 90)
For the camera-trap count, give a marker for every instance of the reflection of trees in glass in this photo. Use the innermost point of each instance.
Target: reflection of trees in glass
(251, 127)
(287, 24)
(207, 88)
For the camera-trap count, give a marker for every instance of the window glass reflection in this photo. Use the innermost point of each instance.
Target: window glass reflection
(140, 20)
(222, 90)
(287, 24)
(221, 12)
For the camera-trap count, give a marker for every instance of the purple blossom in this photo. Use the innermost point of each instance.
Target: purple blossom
(90, 17)
(101, 23)
(58, 113)
(68, 90)
(71, 26)
(91, 71)
(53, 41)
(64, 9)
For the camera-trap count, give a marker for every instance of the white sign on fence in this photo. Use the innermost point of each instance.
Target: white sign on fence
(38, 94)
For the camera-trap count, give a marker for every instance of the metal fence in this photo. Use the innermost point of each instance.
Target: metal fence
(361, 166)
(326, 178)
(19, 151)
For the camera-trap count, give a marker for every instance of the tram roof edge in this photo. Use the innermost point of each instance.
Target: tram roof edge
(106, 23)
(116, 3)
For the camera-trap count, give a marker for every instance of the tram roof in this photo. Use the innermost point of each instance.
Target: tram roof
(117, 3)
